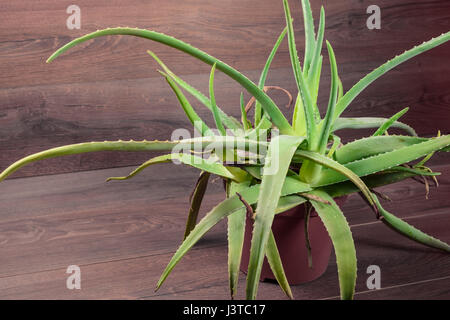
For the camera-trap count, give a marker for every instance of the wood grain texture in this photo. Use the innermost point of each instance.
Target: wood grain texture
(108, 88)
(122, 234)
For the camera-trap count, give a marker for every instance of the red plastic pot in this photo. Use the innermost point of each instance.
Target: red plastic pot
(289, 232)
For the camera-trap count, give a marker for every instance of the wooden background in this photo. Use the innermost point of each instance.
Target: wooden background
(108, 88)
(123, 234)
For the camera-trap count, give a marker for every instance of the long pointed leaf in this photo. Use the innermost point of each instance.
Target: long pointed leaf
(266, 102)
(375, 74)
(385, 126)
(227, 120)
(367, 123)
(238, 143)
(409, 231)
(196, 202)
(299, 79)
(386, 160)
(341, 236)
(281, 150)
(193, 117)
(263, 77)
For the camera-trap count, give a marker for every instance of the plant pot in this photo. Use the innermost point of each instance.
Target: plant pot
(289, 232)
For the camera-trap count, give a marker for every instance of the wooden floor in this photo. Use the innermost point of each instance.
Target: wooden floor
(122, 235)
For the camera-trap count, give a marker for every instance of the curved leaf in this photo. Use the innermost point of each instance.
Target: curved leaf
(278, 159)
(266, 102)
(341, 236)
(409, 231)
(375, 74)
(367, 123)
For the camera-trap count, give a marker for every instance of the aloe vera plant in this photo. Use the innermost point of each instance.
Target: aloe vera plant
(305, 163)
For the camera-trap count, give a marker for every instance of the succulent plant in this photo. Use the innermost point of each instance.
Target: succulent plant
(305, 163)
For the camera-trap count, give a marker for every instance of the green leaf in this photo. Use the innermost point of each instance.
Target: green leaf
(341, 236)
(278, 159)
(372, 181)
(266, 102)
(230, 206)
(262, 79)
(327, 121)
(215, 111)
(386, 160)
(193, 117)
(236, 231)
(227, 120)
(409, 231)
(310, 37)
(298, 74)
(315, 66)
(244, 119)
(367, 123)
(237, 143)
(381, 130)
(188, 159)
(371, 146)
(374, 75)
(276, 265)
(196, 202)
(337, 168)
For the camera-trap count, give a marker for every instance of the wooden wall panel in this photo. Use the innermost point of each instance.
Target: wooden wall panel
(108, 88)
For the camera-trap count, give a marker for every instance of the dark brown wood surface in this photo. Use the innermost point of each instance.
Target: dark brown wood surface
(122, 235)
(109, 89)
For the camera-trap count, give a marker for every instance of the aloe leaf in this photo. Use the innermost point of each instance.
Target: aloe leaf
(312, 74)
(227, 120)
(276, 265)
(278, 159)
(212, 97)
(299, 79)
(341, 236)
(196, 202)
(188, 159)
(310, 171)
(386, 160)
(266, 102)
(334, 147)
(337, 168)
(381, 130)
(193, 117)
(409, 231)
(238, 143)
(375, 74)
(230, 206)
(236, 231)
(244, 119)
(299, 117)
(370, 146)
(310, 37)
(367, 123)
(327, 121)
(372, 181)
(341, 90)
(263, 77)
(414, 171)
